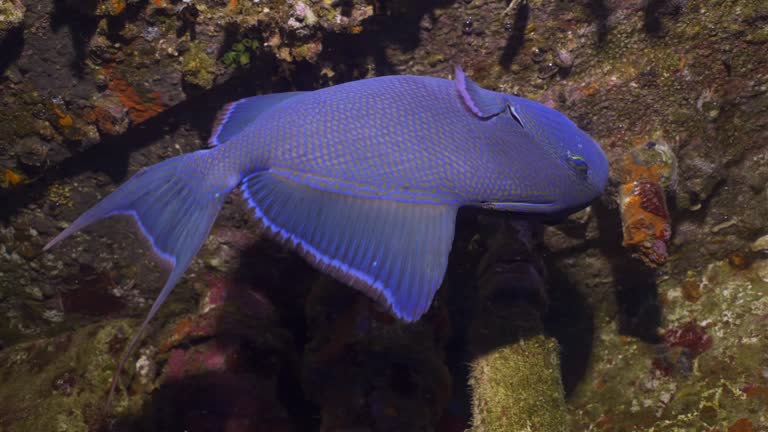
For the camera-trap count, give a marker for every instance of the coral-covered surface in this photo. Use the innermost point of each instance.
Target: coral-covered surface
(667, 333)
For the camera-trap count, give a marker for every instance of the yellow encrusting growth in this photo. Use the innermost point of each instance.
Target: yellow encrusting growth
(198, 67)
(517, 388)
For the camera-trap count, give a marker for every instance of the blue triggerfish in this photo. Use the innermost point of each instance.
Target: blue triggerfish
(364, 179)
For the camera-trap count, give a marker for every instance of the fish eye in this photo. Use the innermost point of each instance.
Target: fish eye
(578, 164)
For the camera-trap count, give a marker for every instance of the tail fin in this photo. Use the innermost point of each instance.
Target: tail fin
(175, 208)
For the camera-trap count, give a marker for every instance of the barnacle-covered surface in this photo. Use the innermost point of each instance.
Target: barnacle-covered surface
(94, 90)
(647, 173)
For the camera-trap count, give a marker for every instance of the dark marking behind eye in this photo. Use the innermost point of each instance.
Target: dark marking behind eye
(514, 116)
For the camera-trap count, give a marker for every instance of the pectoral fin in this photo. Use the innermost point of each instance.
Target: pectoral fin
(395, 252)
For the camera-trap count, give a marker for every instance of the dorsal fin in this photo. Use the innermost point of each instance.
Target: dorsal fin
(483, 103)
(236, 116)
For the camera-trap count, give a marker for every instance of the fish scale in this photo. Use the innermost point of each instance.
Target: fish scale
(363, 179)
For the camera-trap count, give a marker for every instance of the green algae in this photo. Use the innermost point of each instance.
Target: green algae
(198, 68)
(240, 54)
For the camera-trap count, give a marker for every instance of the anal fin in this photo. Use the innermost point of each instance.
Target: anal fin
(395, 252)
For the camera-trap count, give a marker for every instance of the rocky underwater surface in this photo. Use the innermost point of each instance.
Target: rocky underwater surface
(647, 311)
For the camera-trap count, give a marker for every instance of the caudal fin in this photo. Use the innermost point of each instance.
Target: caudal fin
(174, 206)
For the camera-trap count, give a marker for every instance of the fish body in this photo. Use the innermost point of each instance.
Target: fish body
(364, 179)
(412, 138)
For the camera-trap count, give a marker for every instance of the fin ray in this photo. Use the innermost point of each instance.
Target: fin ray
(395, 252)
(483, 103)
(173, 212)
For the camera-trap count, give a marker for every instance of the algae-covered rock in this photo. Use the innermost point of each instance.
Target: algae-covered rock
(60, 384)
(198, 67)
(517, 387)
(707, 370)
(11, 16)
(515, 373)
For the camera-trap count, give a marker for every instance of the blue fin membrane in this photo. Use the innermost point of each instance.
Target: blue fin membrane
(175, 212)
(395, 252)
(483, 103)
(521, 207)
(236, 116)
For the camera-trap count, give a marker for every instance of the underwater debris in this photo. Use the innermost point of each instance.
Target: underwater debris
(647, 172)
(151, 33)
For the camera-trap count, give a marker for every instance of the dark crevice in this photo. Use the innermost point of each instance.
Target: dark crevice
(81, 25)
(516, 38)
(395, 24)
(637, 297)
(11, 48)
(570, 319)
(655, 10)
(600, 13)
